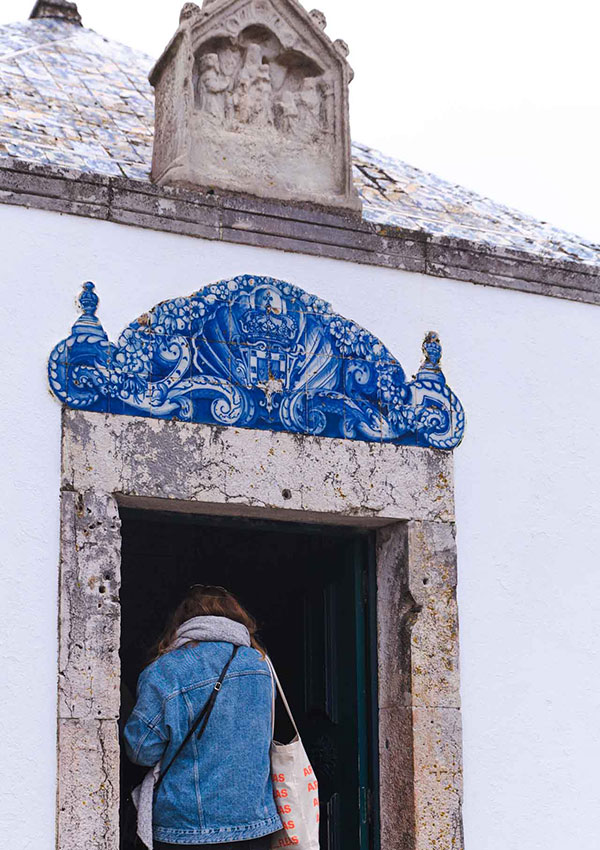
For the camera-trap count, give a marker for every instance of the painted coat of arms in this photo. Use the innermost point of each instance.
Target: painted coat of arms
(256, 352)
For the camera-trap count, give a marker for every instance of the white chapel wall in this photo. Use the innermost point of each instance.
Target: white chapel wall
(527, 492)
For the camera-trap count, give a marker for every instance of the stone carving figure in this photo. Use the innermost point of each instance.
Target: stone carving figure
(287, 112)
(236, 89)
(246, 78)
(308, 103)
(253, 93)
(261, 98)
(229, 60)
(212, 87)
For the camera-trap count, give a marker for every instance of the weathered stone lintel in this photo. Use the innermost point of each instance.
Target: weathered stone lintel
(287, 227)
(203, 464)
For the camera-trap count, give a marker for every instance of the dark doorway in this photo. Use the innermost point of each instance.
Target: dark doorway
(312, 591)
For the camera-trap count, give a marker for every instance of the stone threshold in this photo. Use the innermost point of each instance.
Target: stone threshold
(286, 227)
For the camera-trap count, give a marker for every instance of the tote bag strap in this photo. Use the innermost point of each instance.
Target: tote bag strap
(275, 681)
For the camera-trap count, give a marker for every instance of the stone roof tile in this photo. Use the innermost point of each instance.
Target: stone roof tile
(70, 97)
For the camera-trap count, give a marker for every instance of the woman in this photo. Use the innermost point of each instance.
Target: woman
(218, 788)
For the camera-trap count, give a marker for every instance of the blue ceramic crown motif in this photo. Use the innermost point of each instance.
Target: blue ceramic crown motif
(257, 353)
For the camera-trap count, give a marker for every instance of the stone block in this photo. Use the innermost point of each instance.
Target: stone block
(159, 459)
(421, 484)
(395, 616)
(421, 778)
(262, 469)
(396, 779)
(434, 649)
(437, 747)
(88, 785)
(373, 479)
(89, 664)
(417, 615)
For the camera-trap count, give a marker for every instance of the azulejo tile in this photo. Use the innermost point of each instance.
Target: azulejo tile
(239, 353)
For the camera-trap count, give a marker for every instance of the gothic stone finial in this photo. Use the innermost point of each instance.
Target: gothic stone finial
(252, 97)
(189, 10)
(341, 47)
(62, 9)
(319, 18)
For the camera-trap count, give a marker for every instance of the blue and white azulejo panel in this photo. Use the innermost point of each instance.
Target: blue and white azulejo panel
(256, 352)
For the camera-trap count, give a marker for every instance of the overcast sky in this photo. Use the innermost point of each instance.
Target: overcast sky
(503, 98)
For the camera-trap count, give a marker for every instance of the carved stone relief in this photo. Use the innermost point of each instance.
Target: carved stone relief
(256, 84)
(263, 100)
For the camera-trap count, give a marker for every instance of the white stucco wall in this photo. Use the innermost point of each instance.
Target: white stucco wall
(527, 487)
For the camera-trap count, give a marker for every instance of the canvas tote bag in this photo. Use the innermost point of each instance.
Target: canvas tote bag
(294, 786)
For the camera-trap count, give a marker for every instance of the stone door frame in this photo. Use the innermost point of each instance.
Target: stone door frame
(405, 494)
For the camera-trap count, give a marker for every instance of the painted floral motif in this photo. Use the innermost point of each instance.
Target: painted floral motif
(258, 353)
(354, 340)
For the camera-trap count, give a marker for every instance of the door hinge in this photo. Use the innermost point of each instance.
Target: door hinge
(366, 805)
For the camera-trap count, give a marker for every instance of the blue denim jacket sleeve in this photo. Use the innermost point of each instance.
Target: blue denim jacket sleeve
(146, 738)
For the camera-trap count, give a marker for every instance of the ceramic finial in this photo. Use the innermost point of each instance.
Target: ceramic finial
(88, 322)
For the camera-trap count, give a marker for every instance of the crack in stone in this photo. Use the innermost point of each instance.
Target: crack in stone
(106, 764)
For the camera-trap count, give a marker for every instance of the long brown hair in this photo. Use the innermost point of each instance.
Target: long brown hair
(203, 600)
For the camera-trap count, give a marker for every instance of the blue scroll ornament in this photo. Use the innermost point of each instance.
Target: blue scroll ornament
(256, 352)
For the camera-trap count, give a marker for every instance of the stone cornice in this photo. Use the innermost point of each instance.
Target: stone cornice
(285, 227)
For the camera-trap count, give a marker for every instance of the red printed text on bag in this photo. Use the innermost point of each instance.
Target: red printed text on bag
(287, 841)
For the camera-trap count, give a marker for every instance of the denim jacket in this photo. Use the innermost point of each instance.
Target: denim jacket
(219, 788)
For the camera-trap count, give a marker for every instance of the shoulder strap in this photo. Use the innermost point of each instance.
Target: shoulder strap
(276, 681)
(202, 717)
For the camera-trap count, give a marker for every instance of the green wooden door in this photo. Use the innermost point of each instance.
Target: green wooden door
(335, 721)
(313, 592)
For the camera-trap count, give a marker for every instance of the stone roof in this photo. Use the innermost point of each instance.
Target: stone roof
(72, 98)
